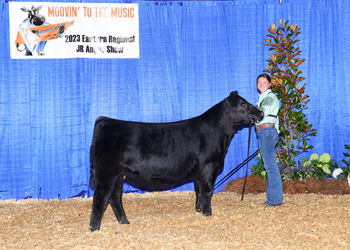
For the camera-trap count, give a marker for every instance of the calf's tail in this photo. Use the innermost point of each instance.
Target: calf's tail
(93, 179)
(97, 129)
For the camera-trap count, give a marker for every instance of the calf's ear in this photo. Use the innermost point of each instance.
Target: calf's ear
(233, 93)
(230, 100)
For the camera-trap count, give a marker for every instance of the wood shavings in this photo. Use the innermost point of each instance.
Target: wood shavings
(168, 220)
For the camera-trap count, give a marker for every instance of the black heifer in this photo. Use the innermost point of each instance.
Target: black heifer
(156, 155)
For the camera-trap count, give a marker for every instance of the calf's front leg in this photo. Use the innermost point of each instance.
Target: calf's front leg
(199, 202)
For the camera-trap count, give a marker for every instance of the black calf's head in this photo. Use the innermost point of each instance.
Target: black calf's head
(242, 112)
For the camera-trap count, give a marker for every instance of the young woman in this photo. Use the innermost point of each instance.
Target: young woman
(267, 131)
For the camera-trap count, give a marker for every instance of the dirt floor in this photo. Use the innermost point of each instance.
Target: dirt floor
(168, 220)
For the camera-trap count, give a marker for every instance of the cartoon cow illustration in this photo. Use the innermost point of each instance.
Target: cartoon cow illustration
(34, 32)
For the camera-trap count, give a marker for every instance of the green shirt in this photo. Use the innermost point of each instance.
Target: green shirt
(269, 104)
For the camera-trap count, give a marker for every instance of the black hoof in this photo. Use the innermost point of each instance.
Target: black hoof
(207, 213)
(94, 228)
(125, 221)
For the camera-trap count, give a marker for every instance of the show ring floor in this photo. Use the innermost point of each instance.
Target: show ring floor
(168, 220)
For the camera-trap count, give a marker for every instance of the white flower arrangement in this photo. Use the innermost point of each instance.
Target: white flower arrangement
(318, 167)
(337, 172)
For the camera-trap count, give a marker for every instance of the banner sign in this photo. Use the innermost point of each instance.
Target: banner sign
(73, 30)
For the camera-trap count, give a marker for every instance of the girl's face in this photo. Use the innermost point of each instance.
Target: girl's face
(263, 84)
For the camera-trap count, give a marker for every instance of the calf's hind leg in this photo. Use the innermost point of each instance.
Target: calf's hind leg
(99, 204)
(117, 203)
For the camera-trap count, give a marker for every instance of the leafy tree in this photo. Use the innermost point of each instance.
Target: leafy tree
(286, 79)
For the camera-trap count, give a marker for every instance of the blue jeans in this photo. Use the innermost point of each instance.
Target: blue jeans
(31, 48)
(268, 138)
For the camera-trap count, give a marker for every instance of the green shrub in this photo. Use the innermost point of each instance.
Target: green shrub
(344, 171)
(318, 167)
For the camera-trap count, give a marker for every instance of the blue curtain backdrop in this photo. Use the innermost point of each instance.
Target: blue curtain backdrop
(192, 55)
